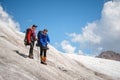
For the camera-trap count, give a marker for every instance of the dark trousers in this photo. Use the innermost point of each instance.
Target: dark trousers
(31, 48)
(42, 51)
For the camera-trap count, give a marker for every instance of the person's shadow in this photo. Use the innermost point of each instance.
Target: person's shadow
(21, 54)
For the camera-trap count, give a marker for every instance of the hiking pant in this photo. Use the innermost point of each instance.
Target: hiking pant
(31, 48)
(43, 51)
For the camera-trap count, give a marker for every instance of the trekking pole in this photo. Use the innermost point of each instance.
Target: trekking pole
(38, 55)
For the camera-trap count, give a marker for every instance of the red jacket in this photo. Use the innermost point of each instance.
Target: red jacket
(31, 35)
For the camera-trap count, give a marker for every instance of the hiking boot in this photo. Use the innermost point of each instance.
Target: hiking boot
(31, 57)
(43, 63)
(41, 58)
(44, 59)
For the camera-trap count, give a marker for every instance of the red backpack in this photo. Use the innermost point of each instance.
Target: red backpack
(26, 35)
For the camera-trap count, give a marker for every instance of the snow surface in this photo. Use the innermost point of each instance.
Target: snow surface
(15, 65)
(109, 67)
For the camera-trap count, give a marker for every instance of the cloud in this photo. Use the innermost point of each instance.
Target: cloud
(80, 52)
(87, 36)
(67, 47)
(7, 21)
(103, 34)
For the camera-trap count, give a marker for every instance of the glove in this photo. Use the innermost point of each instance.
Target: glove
(29, 42)
(36, 39)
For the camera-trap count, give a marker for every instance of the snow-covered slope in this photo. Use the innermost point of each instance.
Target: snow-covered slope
(109, 67)
(14, 64)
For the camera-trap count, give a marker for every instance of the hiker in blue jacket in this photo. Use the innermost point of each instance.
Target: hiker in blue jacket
(43, 41)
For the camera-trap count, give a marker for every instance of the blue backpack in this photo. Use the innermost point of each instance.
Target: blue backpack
(38, 36)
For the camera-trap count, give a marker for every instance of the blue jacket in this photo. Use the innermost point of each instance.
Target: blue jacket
(43, 39)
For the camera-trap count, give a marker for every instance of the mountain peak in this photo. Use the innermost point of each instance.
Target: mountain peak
(110, 55)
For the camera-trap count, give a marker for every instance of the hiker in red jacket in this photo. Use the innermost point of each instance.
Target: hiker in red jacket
(31, 37)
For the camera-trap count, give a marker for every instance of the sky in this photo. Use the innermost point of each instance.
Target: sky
(75, 26)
